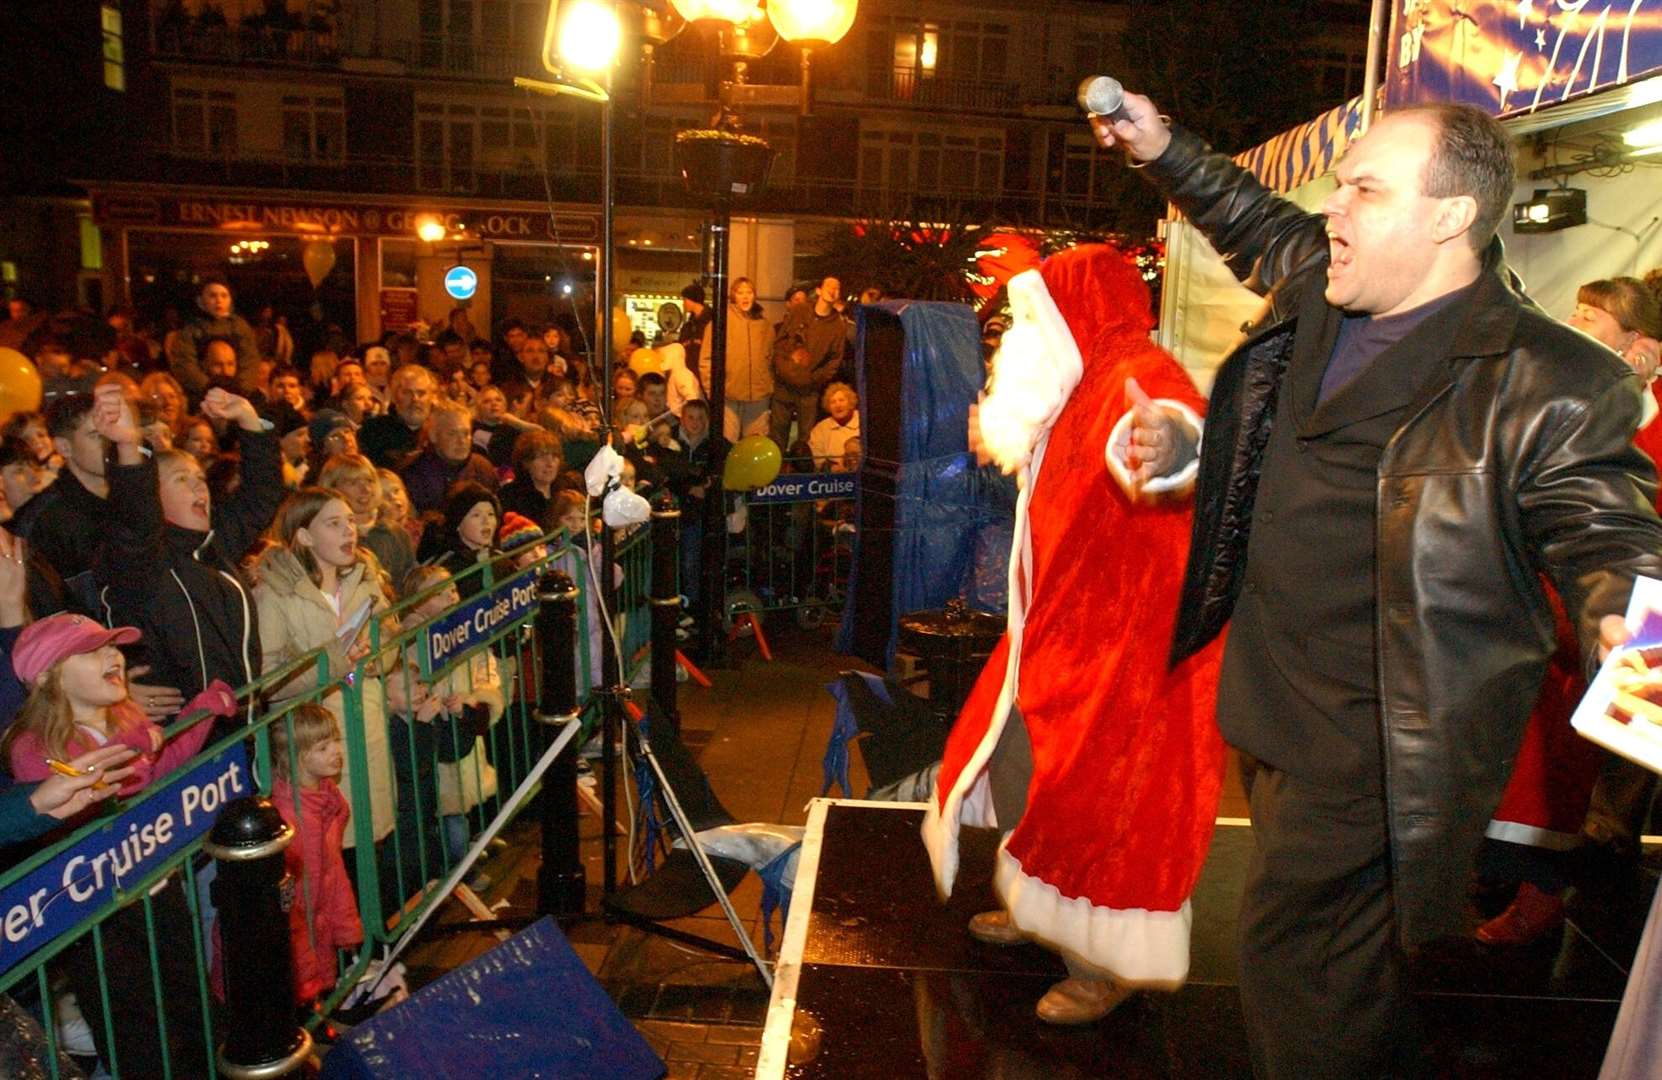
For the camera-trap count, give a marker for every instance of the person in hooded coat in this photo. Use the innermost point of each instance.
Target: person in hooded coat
(312, 584)
(1102, 765)
(170, 563)
(466, 537)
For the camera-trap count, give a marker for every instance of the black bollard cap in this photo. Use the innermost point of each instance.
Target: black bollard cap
(248, 828)
(556, 585)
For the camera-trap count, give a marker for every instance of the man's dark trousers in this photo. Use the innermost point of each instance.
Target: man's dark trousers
(1322, 988)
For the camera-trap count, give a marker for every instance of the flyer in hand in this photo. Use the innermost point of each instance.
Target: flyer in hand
(1622, 711)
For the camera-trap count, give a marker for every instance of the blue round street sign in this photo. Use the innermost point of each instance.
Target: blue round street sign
(461, 283)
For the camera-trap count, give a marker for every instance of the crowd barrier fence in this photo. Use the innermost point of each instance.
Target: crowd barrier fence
(796, 548)
(419, 789)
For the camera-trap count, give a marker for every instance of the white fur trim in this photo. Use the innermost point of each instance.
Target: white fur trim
(1535, 836)
(971, 795)
(1138, 947)
(1035, 369)
(1119, 444)
(1648, 408)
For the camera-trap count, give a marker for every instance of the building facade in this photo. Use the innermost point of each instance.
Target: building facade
(265, 140)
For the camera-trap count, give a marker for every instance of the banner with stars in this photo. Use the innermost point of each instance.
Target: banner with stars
(1512, 57)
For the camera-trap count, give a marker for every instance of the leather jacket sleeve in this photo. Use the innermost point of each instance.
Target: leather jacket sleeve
(1264, 237)
(1586, 498)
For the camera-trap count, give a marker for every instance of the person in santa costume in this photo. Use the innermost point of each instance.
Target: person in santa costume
(1545, 807)
(1101, 764)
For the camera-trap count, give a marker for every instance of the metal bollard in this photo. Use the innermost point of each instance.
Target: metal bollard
(561, 883)
(666, 604)
(261, 1037)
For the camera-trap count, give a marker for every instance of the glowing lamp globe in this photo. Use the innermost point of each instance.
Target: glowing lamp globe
(726, 11)
(821, 22)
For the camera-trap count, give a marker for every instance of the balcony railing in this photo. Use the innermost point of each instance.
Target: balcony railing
(376, 175)
(910, 86)
(247, 44)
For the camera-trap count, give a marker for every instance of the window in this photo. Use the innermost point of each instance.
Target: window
(481, 37)
(1081, 171)
(314, 128)
(204, 122)
(115, 59)
(925, 163)
(447, 145)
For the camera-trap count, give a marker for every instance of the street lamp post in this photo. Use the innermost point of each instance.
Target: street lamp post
(725, 168)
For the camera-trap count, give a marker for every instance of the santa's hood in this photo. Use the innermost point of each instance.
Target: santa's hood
(1082, 307)
(1102, 296)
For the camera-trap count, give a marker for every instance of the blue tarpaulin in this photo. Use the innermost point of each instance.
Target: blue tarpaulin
(952, 518)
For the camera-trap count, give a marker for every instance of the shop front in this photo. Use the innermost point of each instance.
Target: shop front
(340, 271)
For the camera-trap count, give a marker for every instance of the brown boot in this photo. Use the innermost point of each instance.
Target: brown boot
(995, 928)
(1532, 915)
(1081, 1001)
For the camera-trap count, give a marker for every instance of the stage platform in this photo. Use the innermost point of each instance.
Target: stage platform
(878, 979)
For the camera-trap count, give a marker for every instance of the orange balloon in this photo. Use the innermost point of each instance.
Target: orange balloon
(19, 384)
(642, 361)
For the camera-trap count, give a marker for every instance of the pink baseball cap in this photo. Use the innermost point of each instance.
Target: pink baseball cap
(45, 642)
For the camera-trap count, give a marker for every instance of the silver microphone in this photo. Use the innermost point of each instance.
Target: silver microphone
(1102, 95)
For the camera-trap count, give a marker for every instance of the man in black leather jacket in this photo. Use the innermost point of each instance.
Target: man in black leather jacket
(1392, 456)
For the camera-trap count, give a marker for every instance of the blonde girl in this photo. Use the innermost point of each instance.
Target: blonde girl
(314, 586)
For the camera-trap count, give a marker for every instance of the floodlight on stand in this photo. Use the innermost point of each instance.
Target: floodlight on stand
(1550, 210)
(587, 35)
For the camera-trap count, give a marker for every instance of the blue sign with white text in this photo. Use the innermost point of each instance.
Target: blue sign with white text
(60, 895)
(461, 282)
(806, 487)
(1510, 57)
(476, 621)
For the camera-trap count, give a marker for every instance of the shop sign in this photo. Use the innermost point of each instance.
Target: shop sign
(461, 282)
(348, 219)
(1519, 56)
(400, 309)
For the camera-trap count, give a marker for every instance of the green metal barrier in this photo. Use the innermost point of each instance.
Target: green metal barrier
(796, 549)
(397, 870)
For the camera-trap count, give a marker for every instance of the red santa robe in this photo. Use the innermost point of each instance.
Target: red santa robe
(1127, 759)
(1552, 779)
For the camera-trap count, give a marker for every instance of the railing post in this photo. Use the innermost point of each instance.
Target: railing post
(261, 1037)
(561, 884)
(666, 604)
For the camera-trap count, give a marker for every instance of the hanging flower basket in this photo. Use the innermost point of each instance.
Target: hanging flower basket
(722, 166)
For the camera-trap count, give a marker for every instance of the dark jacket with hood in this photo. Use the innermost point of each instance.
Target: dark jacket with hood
(183, 588)
(1515, 457)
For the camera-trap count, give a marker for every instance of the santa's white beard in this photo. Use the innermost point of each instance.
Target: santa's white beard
(1035, 369)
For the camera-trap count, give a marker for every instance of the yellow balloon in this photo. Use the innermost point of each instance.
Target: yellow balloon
(621, 329)
(318, 257)
(19, 384)
(642, 361)
(752, 463)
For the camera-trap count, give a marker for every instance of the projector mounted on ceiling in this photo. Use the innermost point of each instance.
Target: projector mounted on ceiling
(1550, 210)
